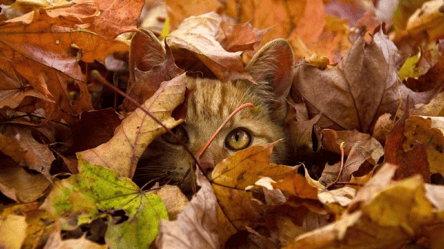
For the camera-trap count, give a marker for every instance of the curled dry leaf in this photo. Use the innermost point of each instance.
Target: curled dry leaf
(421, 129)
(43, 48)
(130, 139)
(149, 67)
(240, 36)
(355, 93)
(196, 226)
(370, 222)
(238, 207)
(195, 41)
(358, 147)
(426, 24)
(413, 161)
(18, 148)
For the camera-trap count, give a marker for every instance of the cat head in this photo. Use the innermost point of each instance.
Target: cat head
(208, 106)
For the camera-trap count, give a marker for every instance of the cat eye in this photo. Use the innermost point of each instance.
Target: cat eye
(238, 139)
(178, 131)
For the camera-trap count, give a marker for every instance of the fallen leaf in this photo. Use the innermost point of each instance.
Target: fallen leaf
(83, 197)
(196, 226)
(421, 129)
(130, 139)
(195, 39)
(13, 231)
(358, 147)
(178, 11)
(93, 129)
(149, 67)
(175, 201)
(43, 48)
(234, 174)
(425, 24)
(239, 37)
(370, 222)
(413, 161)
(365, 95)
(55, 241)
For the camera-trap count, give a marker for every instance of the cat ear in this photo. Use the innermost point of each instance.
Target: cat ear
(273, 65)
(146, 51)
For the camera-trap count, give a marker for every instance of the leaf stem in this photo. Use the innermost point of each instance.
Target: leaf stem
(341, 146)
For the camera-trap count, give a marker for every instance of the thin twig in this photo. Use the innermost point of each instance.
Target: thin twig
(202, 151)
(103, 81)
(222, 126)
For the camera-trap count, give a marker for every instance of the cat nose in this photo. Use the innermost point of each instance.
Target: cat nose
(206, 165)
(207, 162)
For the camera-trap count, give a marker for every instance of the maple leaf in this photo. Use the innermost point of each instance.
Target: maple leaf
(355, 93)
(44, 51)
(82, 197)
(370, 222)
(237, 206)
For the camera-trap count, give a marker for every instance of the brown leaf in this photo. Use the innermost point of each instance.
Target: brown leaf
(230, 179)
(296, 185)
(421, 130)
(178, 10)
(425, 24)
(18, 144)
(19, 185)
(136, 131)
(413, 161)
(149, 67)
(195, 41)
(355, 93)
(239, 36)
(55, 241)
(44, 51)
(93, 129)
(370, 222)
(358, 147)
(196, 226)
(116, 17)
(175, 201)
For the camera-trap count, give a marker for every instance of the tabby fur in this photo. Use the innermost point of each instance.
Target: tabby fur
(211, 102)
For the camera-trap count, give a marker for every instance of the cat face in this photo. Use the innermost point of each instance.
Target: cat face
(210, 103)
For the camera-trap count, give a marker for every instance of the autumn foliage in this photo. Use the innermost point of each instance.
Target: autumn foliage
(365, 115)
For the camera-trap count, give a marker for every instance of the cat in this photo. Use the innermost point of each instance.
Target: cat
(211, 102)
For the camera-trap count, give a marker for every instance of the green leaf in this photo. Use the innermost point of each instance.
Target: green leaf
(97, 189)
(410, 69)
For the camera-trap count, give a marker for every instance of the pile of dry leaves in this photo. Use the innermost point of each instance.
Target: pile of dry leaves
(366, 118)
